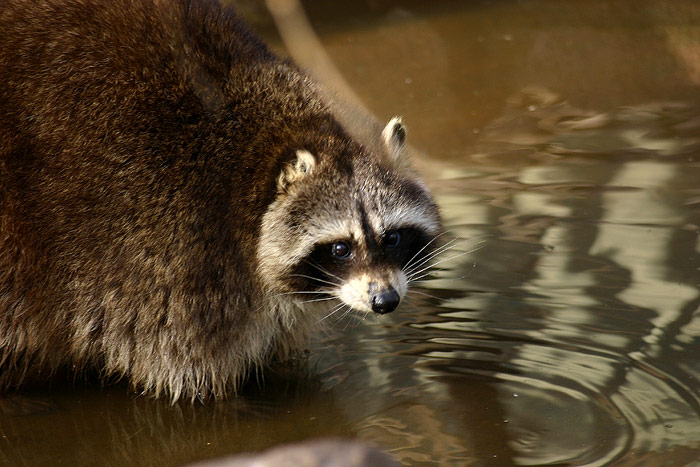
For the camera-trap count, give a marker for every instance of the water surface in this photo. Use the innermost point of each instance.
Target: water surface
(563, 326)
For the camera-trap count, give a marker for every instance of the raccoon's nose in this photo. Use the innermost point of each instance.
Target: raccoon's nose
(385, 301)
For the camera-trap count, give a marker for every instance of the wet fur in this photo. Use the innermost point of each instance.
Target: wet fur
(142, 143)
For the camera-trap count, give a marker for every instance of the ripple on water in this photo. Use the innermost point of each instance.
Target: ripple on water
(581, 310)
(563, 404)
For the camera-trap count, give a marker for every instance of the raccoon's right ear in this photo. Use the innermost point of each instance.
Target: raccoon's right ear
(394, 136)
(299, 168)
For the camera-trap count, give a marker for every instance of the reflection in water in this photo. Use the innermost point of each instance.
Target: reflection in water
(569, 333)
(603, 237)
(109, 426)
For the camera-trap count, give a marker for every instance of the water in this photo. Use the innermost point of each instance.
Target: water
(564, 327)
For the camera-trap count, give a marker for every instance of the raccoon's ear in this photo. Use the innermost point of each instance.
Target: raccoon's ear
(394, 136)
(299, 168)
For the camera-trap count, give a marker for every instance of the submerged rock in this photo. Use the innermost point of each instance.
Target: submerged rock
(317, 453)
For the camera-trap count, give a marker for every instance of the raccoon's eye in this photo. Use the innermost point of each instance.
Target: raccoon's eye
(340, 249)
(392, 239)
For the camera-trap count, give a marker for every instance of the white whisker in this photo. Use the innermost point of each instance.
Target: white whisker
(323, 270)
(301, 292)
(414, 271)
(412, 276)
(424, 294)
(422, 259)
(448, 246)
(318, 300)
(333, 310)
(335, 284)
(345, 313)
(409, 262)
(429, 273)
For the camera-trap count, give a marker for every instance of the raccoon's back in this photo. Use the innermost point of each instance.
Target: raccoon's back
(123, 114)
(122, 234)
(109, 132)
(76, 73)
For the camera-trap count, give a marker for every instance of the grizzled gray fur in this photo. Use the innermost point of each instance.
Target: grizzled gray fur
(171, 192)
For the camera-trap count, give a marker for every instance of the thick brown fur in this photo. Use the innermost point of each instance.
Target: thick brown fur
(141, 142)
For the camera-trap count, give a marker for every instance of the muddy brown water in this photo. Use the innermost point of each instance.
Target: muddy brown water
(562, 140)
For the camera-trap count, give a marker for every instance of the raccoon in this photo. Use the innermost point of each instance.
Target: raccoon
(178, 204)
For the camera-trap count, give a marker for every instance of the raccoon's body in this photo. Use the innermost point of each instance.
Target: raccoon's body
(171, 192)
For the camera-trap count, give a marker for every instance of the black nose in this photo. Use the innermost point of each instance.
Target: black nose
(385, 301)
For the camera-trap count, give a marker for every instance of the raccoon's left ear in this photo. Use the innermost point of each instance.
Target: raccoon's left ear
(394, 136)
(299, 168)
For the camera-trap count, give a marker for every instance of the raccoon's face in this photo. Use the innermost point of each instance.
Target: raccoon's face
(348, 227)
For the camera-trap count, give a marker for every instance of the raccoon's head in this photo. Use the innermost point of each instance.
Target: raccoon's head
(348, 224)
